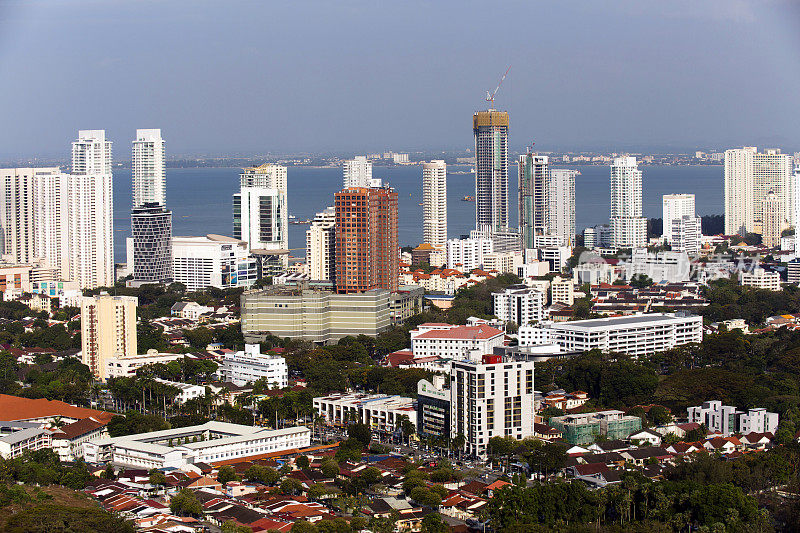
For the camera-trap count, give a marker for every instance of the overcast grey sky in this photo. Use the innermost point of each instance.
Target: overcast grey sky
(354, 76)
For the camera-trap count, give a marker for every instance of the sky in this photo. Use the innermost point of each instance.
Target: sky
(243, 77)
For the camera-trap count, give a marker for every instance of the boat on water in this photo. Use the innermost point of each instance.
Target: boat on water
(307, 221)
(468, 199)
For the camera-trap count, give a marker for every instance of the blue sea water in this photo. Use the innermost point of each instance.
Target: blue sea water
(201, 198)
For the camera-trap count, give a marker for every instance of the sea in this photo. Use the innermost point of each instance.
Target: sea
(201, 199)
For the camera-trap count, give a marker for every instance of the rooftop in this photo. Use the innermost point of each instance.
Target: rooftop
(17, 408)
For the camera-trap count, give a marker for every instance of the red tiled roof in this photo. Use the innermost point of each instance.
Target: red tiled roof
(81, 427)
(462, 332)
(15, 408)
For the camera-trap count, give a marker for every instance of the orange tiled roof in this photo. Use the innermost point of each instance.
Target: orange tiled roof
(15, 408)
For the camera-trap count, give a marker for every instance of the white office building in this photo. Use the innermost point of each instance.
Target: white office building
(380, 412)
(212, 261)
(492, 397)
(669, 266)
(600, 236)
(260, 209)
(357, 172)
(90, 212)
(728, 420)
(520, 304)
(562, 205)
(628, 226)
(454, 342)
(641, 334)
(186, 391)
(434, 203)
(761, 279)
(149, 170)
(749, 176)
(321, 246)
(250, 365)
(210, 443)
(468, 254)
(126, 366)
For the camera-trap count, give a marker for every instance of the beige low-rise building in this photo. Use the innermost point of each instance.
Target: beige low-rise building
(319, 316)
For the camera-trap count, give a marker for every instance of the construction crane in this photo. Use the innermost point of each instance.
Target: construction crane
(490, 96)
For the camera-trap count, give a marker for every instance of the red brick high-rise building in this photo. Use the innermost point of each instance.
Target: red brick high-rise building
(367, 253)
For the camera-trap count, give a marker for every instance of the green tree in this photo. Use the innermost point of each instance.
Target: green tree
(329, 468)
(232, 527)
(361, 433)
(226, 474)
(302, 462)
(185, 503)
(433, 523)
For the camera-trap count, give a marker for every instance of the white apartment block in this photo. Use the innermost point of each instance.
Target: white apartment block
(321, 246)
(491, 398)
(250, 365)
(521, 305)
(628, 227)
(685, 234)
(127, 366)
(108, 330)
(260, 209)
(675, 207)
(187, 391)
(454, 342)
(641, 334)
(594, 273)
(357, 172)
(562, 205)
(749, 176)
(212, 261)
(761, 279)
(728, 420)
(557, 257)
(51, 219)
(91, 212)
(380, 412)
(207, 443)
(149, 171)
(468, 254)
(561, 291)
(667, 266)
(434, 203)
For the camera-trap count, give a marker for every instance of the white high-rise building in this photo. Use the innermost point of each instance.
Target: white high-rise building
(434, 203)
(51, 219)
(260, 209)
(321, 245)
(520, 304)
(686, 234)
(149, 172)
(491, 398)
(17, 213)
(749, 176)
(357, 172)
(675, 206)
(468, 254)
(796, 180)
(628, 226)
(533, 198)
(681, 228)
(90, 212)
(491, 170)
(562, 205)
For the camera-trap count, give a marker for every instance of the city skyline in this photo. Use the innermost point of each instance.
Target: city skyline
(622, 58)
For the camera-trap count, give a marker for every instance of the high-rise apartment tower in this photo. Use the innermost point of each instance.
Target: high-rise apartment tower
(491, 169)
(749, 176)
(434, 203)
(367, 253)
(321, 246)
(534, 191)
(90, 211)
(628, 227)
(561, 199)
(357, 172)
(260, 210)
(108, 330)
